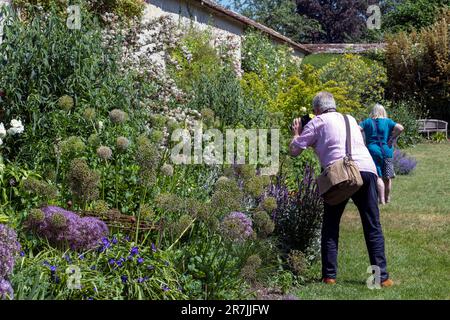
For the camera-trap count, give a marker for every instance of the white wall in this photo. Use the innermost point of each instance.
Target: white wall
(222, 28)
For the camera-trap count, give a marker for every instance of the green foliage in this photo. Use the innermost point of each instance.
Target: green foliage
(125, 9)
(223, 94)
(439, 137)
(260, 54)
(114, 273)
(319, 60)
(195, 58)
(39, 72)
(364, 81)
(418, 67)
(296, 99)
(408, 15)
(281, 16)
(406, 113)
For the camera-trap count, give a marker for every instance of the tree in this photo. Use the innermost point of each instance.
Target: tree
(406, 15)
(280, 15)
(341, 20)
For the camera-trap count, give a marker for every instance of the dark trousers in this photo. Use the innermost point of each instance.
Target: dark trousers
(366, 199)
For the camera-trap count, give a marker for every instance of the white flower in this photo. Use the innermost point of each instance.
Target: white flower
(303, 109)
(2, 131)
(100, 125)
(16, 127)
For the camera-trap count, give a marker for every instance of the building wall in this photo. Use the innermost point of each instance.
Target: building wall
(222, 28)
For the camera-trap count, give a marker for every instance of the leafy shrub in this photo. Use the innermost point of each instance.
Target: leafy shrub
(417, 66)
(403, 164)
(222, 93)
(406, 113)
(124, 9)
(295, 100)
(439, 137)
(260, 54)
(365, 81)
(49, 89)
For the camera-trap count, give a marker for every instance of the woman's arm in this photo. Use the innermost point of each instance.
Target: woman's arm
(396, 132)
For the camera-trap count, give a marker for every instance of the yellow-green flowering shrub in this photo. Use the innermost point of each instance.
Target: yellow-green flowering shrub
(297, 93)
(364, 81)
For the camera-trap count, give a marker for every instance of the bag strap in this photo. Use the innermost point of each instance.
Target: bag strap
(348, 143)
(380, 143)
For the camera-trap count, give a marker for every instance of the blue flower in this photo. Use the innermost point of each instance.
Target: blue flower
(150, 267)
(124, 279)
(134, 251)
(81, 257)
(127, 238)
(22, 254)
(167, 263)
(140, 280)
(111, 261)
(93, 267)
(140, 260)
(45, 263)
(153, 247)
(53, 269)
(165, 287)
(114, 240)
(68, 259)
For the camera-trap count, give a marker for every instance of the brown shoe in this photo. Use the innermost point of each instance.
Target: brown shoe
(387, 283)
(329, 281)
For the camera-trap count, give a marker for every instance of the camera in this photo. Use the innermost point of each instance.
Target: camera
(305, 119)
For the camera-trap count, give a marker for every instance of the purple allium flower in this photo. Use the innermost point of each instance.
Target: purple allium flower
(9, 248)
(237, 226)
(6, 290)
(79, 233)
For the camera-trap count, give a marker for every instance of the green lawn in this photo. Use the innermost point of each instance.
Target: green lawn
(417, 232)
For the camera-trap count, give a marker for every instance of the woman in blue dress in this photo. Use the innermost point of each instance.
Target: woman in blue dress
(381, 132)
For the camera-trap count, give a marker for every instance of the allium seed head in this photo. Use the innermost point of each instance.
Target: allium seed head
(104, 152)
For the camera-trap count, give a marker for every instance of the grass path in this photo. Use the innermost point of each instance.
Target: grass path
(417, 232)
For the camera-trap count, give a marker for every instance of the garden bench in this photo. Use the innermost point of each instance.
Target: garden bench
(432, 125)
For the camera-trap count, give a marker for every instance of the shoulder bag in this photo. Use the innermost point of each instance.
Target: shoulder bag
(340, 180)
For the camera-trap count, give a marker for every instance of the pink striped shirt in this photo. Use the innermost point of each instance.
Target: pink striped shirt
(326, 133)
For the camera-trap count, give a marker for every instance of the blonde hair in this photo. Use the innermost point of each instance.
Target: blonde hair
(378, 111)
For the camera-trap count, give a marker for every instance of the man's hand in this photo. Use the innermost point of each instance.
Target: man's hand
(297, 127)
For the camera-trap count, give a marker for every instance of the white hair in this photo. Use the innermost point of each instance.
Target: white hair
(378, 111)
(324, 101)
